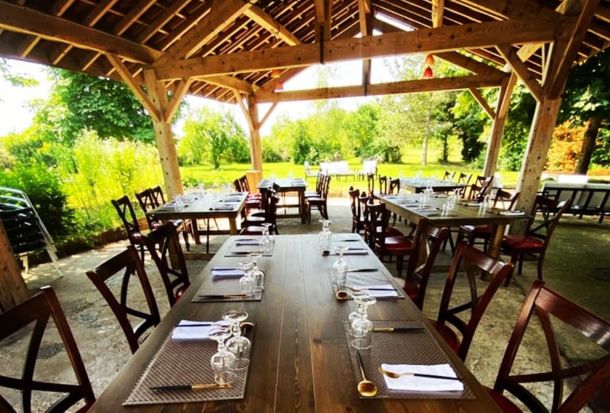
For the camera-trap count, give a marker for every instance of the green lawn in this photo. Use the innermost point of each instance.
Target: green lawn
(192, 175)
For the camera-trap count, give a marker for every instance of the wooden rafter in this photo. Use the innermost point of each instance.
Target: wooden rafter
(268, 113)
(365, 13)
(181, 90)
(476, 94)
(244, 109)
(26, 20)
(467, 63)
(229, 82)
(269, 23)
(511, 9)
(323, 10)
(129, 80)
(58, 9)
(408, 86)
(222, 14)
(438, 10)
(420, 41)
(521, 70)
(161, 20)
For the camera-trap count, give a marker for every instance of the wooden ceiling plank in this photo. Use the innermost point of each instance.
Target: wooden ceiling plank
(129, 80)
(269, 23)
(510, 55)
(476, 94)
(603, 13)
(229, 82)
(511, 9)
(421, 41)
(130, 18)
(161, 20)
(438, 9)
(222, 14)
(58, 9)
(29, 21)
(569, 54)
(407, 86)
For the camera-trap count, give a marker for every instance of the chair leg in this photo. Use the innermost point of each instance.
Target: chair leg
(540, 261)
(513, 260)
(185, 235)
(520, 265)
(399, 264)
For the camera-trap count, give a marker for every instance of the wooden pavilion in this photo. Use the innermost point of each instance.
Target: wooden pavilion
(239, 51)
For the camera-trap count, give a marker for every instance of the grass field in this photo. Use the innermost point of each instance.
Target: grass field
(228, 172)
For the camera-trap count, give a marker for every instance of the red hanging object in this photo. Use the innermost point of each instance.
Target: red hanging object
(430, 60)
(428, 73)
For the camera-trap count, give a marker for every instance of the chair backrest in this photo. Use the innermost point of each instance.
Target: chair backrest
(245, 185)
(325, 186)
(377, 220)
(128, 262)
(157, 193)
(383, 185)
(464, 179)
(370, 179)
(394, 187)
(481, 188)
(448, 176)
(472, 262)
(148, 202)
(506, 199)
(128, 217)
(354, 195)
(161, 243)
(550, 218)
(38, 309)
(546, 303)
(237, 185)
(428, 240)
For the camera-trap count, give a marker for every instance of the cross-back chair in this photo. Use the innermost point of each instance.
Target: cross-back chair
(157, 193)
(383, 185)
(464, 179)
(165, 250)
(128, 217)
(427, 243)
(545, 303)
(538, 236)
(394, 186)
(39, 309)
(471, 262)
(480, 188)
(370, 180)
(356, 208)
(254, 224)
(381, 240)
(319, 202)
(448, 176)
(484, 233)
(131, 266)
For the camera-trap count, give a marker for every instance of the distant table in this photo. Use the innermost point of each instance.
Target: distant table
(437, 185)
(288, 185)
(465, 213)
(300, 359)
(205, 206)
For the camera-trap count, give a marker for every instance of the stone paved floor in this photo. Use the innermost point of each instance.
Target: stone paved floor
(578, 266)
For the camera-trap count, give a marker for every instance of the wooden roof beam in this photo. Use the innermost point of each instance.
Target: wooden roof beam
(510, 55)
(161, 20)
(365, 13)
(222, 14)
(467, 63)
(229, 82)
(58, 9)
(476, 94)
(269, 23)
(25, 20)
(511, 9)
(420, 41)
(438, 9)
(408, 86)
(323, 10)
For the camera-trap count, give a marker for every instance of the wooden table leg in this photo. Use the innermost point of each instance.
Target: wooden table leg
(302, 206)
(233, 226)
(496, 241)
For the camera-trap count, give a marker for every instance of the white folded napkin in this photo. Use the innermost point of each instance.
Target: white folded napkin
(414, 383)
(226, 274)
(512, 213)
(192, 333)
(383, 286)
(382, 293)
(247, 242)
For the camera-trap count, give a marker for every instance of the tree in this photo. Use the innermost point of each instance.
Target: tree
(212, 136)
(587, 101)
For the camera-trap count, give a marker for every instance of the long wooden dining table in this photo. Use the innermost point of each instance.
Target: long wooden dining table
(300, 360)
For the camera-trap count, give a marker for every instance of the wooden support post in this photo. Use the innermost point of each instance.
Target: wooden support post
(12, 286)
(256, 146)
(497, 129)
(538, 144)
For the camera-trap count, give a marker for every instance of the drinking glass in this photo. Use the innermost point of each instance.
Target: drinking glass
(238, 345)
(362, 331)
(267, 241)
(247, 283)
(360, 310)
(223, 361)
(257, 273)
(325, 237)
(339, 271)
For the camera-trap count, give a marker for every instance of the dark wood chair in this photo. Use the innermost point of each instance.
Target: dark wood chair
(484, 233)
(481, 188)
(254, 225)
(319, 202)
(448, 176)
(356, 208)
(157, 193)
(471, 261)
(128, 263)
(38, 309)
(316, 193)
(394, 186)
(128, 217)
(536, 240)
(427, 243)
(161, 243)
(370, 180)
(463, 179)
(545, 303)
(383, 185)
(380, 239)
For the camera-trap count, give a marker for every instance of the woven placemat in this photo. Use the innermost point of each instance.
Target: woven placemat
(417, 347)
(183, 362)
(202, 297)
(225, 286)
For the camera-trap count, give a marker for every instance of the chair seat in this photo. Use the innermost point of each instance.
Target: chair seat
(448, 334)
(503, 402)
(316, 201)
(523, 243)
(393, 232)
(477, 230)
(312, 194)
(395, 245)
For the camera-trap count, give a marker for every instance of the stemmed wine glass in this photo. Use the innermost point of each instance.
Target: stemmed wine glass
(238, 345)
(223, 361)
(267, 242)
(361, 326)
(257, 273)
(325, 237)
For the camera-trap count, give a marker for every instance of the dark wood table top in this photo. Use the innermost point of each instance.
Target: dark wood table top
(437, 185)
(201, 206)
(300, 360)
(465, 212)
(285, 185)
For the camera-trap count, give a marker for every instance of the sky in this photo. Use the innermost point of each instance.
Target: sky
(16, 111)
